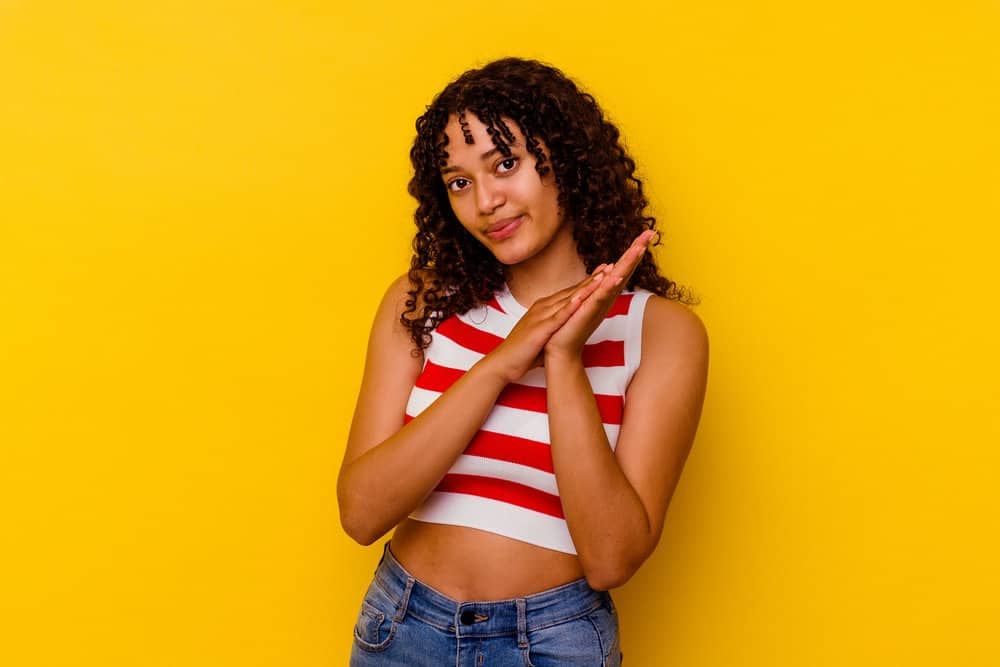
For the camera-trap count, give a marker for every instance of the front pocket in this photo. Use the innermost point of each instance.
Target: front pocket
(373, 630)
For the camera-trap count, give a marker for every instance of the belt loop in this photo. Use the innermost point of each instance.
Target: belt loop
(404, 601)
(522, 623)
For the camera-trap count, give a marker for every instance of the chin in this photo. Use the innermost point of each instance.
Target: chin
(511, 256)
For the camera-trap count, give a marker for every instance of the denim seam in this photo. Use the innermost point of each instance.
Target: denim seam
(600, 641)
(376, 648)
(447, 628)
(566, 619)
(395, 600)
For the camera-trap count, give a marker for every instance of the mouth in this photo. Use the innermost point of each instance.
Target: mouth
(501, 229)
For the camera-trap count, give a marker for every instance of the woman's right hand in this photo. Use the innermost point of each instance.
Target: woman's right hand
(523, 348)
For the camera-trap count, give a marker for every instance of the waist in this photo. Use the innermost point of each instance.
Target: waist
(485, 617)
(471, 564)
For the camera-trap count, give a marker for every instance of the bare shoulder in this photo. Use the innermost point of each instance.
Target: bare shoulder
(670, 329)
(401, 291)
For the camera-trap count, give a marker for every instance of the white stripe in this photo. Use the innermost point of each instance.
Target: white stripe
(490, 321)
(443, 351)
(603, 379)
(502, 419)
(612, 328)
(633, 338)
(520, 423)
(420, 400)
(500, 324)
(512, 472)
(519, 523)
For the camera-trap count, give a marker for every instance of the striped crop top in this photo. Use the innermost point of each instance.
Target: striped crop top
(504, 482)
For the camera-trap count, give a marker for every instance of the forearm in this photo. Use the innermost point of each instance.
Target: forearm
(381, 487)
(605, 515)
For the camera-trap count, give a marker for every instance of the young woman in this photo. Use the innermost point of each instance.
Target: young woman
(531, 391)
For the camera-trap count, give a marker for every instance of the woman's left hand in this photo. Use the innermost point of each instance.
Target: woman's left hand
(568, 341)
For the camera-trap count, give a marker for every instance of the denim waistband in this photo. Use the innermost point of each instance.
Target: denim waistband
(488, 618)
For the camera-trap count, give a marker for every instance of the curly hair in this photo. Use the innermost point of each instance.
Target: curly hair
(594, 175)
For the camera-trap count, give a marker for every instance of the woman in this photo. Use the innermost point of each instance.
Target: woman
(527, 406)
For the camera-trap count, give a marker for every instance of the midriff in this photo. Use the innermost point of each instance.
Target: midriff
(469, 564)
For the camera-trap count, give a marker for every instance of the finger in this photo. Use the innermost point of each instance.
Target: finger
(549, 305)
(588, 287)
(565, 309)
(555, 300)
(618, 274)
(599, 268)
(630, 259)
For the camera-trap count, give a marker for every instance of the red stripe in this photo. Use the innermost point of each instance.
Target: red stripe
(607, 353)
(469, 336)
(503, 490)
(621, 305)
(438, 378)
(510, 448)
(520, 396)
(523, 397)
(495, 305)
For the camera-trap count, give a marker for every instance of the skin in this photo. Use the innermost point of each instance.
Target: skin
(614, 501)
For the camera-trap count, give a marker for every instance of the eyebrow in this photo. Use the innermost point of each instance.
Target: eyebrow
(485, 156)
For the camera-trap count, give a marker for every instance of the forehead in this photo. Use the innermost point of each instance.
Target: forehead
(468, 130)
(470, 145)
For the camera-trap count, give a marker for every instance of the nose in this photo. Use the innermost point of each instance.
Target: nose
(489, 196)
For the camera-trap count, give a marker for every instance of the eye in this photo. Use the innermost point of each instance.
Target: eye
(458, 184)
(507, 165)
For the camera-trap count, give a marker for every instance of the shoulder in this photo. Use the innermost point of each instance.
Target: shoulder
(673, 317)
(403, 298)
(406, 288)
(405, 284)
(671, 329)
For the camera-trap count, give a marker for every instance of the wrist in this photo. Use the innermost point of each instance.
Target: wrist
(491, 369)
(558, 359)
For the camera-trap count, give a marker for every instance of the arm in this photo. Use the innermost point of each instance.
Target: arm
(390, 466)
(615, 501)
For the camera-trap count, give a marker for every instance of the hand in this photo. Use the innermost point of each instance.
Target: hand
(522, 349)
(568, 341)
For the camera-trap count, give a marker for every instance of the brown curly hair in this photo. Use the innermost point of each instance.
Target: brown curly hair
(595, 178)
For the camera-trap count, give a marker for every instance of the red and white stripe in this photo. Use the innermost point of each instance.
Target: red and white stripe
(504, 481)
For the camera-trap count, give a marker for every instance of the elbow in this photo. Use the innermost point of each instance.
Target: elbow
(604, 579)
(359, 531)
(356, 520)
(611, 570)
(609, 573)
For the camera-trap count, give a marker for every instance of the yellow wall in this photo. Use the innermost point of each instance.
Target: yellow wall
(201, 202)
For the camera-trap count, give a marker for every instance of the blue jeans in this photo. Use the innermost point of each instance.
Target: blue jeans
(405, 622)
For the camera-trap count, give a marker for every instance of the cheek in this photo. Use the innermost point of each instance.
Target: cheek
(460, 207)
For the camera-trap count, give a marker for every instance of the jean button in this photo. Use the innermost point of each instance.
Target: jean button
(468, 617)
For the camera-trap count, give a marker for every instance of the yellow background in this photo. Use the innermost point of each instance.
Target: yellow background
(201, 203)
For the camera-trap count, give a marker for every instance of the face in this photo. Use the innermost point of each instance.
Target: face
(501, 200)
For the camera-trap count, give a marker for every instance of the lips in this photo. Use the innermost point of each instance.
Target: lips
(501, 229)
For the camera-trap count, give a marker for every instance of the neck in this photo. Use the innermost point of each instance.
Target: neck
(556, 267)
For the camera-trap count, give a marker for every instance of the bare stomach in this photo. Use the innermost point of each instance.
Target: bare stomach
(468, 564)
